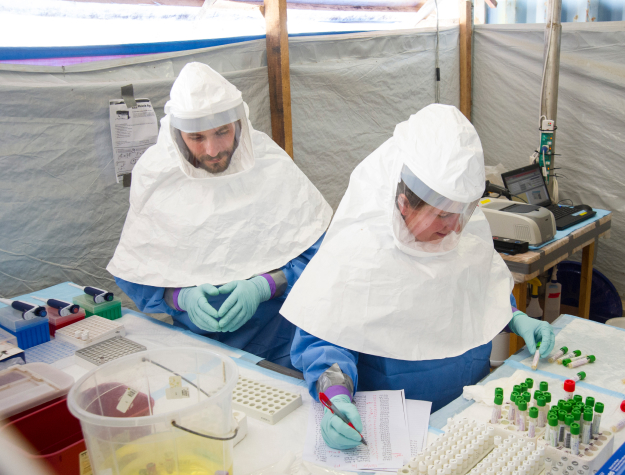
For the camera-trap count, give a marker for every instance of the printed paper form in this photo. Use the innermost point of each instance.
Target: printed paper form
(385, 429)
(418, 413)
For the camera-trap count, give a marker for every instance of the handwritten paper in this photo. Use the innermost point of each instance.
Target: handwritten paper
(385, 428)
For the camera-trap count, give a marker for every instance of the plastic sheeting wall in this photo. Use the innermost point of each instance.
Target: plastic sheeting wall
(62, 212)
(507, 68)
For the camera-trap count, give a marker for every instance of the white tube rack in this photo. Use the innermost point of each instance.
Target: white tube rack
(594, 455)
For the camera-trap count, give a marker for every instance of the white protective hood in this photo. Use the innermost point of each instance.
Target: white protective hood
(186, 226)
(362, 292)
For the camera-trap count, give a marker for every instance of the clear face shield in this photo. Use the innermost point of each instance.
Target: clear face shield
(426, 223)
(219, 144)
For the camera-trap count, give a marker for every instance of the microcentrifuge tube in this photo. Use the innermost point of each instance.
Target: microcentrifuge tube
(570, 355)
(561, 352)
(582, 361)
(496, 415)
(575, 438)
(596, 422)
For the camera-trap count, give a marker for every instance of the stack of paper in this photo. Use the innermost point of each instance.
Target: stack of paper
(395, 429)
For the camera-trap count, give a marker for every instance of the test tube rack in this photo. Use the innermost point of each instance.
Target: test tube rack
(97, 328)
(504, 427)
(471, 448)
(264, 402)
(593, 455)
(105, 351)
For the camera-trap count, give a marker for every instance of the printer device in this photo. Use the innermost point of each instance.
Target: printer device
(520, 221)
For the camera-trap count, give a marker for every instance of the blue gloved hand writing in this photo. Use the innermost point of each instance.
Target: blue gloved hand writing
(201, 313)
(533, 331)
(240, 306)
(335, 432)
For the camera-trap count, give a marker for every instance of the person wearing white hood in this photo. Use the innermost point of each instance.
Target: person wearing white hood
(406, 291)
(221, 221)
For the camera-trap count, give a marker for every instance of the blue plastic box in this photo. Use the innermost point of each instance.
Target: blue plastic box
(615, 464)
(29, 333)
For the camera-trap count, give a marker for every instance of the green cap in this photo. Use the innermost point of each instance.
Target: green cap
(523, 387)
(530, 382)
(499, 399)
(564, 350)
(569, 406)
(561, 403)
(575, 428)
(537, 394)
(590, 401)
(561, 415)
(566, 361)
(588, 416)
(517, 388)
(527, 397)
(522, 406)
(552, 419)
(547, 396)
(499, 391)
(578, 398)
(599, 407)
(544, 386)
(581, 375)
(568, 419)
(591, 358)
(577, 353)
(534, 412)
(540, 401)
(577, 415)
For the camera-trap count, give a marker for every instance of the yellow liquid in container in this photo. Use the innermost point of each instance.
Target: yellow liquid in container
(163, 454)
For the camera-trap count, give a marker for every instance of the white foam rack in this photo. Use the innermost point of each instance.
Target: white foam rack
(99, 329)
(264, 402)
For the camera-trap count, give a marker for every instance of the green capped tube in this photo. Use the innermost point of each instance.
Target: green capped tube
(596, 422)
(561, 352)
(575, 438)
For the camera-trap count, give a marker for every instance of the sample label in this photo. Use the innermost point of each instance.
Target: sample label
(176, 393)
(84, 463)
(175, 381)
(126, 400)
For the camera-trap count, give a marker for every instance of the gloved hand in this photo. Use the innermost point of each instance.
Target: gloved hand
(334, 431)
(532, 331)
(242, 303)
(201, 313)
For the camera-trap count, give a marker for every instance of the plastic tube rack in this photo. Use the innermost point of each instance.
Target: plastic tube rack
(564, 464)
(504, 427)
(593, 455)
(455, 452)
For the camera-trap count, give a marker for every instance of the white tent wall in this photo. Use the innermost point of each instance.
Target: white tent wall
(62, 212)
(507, 68)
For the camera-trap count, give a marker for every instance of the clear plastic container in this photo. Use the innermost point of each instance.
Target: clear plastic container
(165, 411)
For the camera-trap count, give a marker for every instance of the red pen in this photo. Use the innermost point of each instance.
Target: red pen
(334, 410)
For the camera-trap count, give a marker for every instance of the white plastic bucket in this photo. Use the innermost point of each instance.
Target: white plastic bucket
(158, 412)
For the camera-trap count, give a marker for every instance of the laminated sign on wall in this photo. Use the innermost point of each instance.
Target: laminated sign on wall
(134, 130)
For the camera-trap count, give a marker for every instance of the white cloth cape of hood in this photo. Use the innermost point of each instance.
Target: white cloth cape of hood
(183, 231)
(362, 293)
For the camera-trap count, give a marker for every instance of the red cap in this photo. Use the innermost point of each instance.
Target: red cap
(623, 406)
(569, 386)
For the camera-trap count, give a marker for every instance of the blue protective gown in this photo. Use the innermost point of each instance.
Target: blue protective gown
(267, 334)
(440, 381)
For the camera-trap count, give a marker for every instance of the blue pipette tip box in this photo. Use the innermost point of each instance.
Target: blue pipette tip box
(29, 333)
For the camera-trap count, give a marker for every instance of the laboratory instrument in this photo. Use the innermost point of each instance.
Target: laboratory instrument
(581, 361)
(519, 221)
(62, 307)
(105, 351)
(98, 295)
(144, 411)
(263, 401)
(510, 246)
(89, 331)
(27, 310)
(29, 332)
(23, 387)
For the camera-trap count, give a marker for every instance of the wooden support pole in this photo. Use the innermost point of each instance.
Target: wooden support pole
(466, 35)
(585, 285)
(278, 73)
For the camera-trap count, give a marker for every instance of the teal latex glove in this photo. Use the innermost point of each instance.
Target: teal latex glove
(533, 331)
(240, 306)
(201, 313)
(335, 432)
